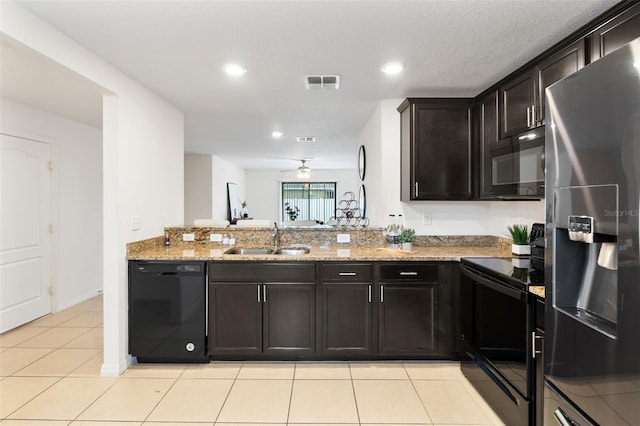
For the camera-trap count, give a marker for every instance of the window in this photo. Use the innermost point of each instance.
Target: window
(314, 200)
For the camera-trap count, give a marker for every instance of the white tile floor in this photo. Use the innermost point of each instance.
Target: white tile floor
(49, 375)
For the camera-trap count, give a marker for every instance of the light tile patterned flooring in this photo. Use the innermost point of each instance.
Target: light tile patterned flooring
(49, 375)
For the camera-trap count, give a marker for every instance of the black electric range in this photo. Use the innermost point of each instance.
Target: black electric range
(517, 272)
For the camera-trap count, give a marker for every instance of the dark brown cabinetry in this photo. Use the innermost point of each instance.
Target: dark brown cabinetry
(262, 308)
(517, 104)
(555, 68)
(407, 309)
(436, 149)
(616, 32)
(486, 118)
(347, 298)
(522, 101)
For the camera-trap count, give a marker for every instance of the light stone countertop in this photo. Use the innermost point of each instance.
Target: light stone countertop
(538, 290)
(213, 252)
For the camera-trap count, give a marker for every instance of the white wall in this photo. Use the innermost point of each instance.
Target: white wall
(197, 187)
(77, 266)
(223, 172)
(263, 189)
(381, 137)
(143, 167)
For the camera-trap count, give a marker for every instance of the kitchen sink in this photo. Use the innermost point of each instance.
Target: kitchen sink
(293, 251)
(285, 251)
(249, 250)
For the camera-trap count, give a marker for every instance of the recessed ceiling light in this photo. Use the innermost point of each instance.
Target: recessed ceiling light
(392, 68)
(276, 134)
(234, 69)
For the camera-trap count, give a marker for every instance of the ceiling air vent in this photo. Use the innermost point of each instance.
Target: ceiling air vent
(306, 139)
(314, 82)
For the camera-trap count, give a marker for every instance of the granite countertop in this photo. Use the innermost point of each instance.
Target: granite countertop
(213, 251)
(538, 290)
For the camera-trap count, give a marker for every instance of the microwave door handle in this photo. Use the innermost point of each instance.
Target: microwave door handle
(493, 285)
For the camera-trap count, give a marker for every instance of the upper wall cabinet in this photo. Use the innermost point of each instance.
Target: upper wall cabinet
(556, 67)
(436, 149)
(517, 104)
(615, 33)
(485, 115)
(522, 101)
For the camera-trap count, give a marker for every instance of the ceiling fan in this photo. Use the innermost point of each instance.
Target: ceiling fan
(302, 172)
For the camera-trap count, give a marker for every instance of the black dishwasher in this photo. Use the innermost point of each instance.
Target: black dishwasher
(167, 311)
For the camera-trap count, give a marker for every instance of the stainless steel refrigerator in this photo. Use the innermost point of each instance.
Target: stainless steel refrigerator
(592, 272)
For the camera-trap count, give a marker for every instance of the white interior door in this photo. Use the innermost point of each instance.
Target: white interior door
(25, 239)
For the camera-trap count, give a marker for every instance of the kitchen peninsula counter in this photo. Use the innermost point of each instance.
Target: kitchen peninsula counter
(213, 252)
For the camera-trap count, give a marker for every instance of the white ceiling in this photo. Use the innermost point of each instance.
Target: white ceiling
(452, 48)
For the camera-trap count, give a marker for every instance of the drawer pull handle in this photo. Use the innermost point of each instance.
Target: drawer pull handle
(410, 273)
(259, 293)
(347, 274)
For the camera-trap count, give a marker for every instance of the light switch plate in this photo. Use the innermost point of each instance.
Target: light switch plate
(426, 218)
(215, 238)
(343, 238)
(188, 237)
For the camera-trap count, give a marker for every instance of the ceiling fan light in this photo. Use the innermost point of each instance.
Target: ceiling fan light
(234, 69)
(392, 68)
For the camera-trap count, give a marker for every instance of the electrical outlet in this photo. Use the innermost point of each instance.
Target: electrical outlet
(188, 237)
(426, 218)
(136, 223)
(215, 238)
(343, 238)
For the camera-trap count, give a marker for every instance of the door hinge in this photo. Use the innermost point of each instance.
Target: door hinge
(51, 228)
(51, 290)
(50, 166)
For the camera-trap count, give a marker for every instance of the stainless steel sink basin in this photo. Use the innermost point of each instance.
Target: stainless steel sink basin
(286, 251)
(249, 250)
(293, 251)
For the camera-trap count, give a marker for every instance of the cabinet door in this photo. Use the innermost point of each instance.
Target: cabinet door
(235, 318)
(488, 132)
(407, 318)
(616, 33)
(289, 317)
(441, 156)
(555, 68)
(346, 318)
(516, 104)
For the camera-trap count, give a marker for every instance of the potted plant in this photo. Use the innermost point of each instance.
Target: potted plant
(407, 237)
(520, 237)
(292, 212)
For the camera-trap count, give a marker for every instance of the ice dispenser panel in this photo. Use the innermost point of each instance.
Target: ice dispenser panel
(585, 279)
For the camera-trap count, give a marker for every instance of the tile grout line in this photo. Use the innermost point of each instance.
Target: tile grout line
(226, 398)
(355, 398)
(413, 385)
(35, 396)
(94, 401)
(175, 380)
(293, 383)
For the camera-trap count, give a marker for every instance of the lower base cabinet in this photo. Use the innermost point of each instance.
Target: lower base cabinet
(407, 318)
(272, 318)
(385, 310)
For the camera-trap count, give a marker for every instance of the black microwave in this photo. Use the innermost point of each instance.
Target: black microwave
(517, 165)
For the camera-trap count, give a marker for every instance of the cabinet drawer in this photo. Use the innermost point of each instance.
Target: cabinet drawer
(410, 271)
(349, 272)
(539, 309)
(262, 271)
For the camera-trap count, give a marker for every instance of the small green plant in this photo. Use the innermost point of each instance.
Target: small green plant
(519, 234)
(292, 212)
(407, 235)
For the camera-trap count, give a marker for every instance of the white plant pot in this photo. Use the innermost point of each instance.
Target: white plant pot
(407, 247)
(521, 249)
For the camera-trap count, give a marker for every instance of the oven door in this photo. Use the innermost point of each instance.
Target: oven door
(517, 167)
(496, 326)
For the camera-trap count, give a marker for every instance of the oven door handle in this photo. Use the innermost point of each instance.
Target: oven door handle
(486, 281)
